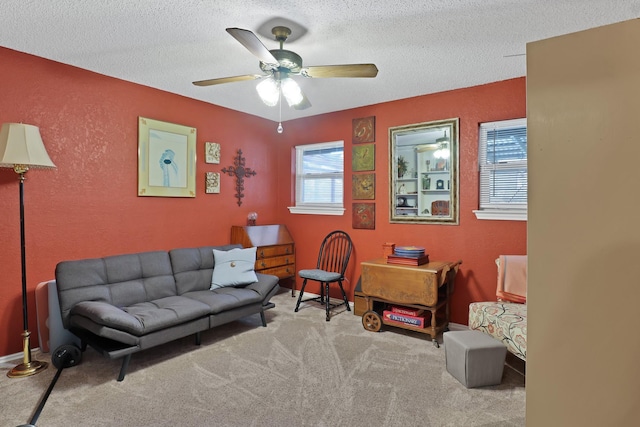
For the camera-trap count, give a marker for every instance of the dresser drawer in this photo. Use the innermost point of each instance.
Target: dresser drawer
(276, 261)
(282, 272)
(271, 251)
(275, 249)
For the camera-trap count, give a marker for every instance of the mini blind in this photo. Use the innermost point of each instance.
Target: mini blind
(502, 159)
(320, 174)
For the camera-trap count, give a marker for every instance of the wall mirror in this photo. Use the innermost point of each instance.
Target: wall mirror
(424, 172)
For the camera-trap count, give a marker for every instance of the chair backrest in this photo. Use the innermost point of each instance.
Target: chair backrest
(335, 252)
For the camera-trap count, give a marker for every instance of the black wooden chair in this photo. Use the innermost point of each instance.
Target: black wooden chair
(333, 259)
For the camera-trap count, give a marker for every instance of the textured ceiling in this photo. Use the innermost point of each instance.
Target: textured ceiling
(419, 47)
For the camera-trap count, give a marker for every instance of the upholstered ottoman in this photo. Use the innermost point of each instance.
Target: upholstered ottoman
(473, 358)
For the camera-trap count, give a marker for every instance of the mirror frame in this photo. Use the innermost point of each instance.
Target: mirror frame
(421, 139)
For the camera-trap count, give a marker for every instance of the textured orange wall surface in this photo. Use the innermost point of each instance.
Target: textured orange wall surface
(88, 206)
(477, 243)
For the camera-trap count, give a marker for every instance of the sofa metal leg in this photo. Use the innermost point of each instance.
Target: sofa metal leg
(198, 338)
(264, 320)
(123, 368)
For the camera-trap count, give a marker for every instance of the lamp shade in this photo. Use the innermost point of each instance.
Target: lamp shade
(291, 91)
(21, 144)
(269, 91)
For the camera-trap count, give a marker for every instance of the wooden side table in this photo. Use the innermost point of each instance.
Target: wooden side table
(428, 287)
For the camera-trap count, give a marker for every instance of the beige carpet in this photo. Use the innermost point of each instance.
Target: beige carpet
(298, 371)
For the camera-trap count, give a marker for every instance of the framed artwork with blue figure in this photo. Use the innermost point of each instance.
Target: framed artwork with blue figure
(166, 159)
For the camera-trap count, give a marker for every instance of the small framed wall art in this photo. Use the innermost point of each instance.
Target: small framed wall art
(363, 157)
(364, 216)
(212, 182)
(166, 159)
(363, 186)
(364, 130)
(212, 152)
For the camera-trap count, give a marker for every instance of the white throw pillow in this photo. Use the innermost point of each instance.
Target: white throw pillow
(233, 267)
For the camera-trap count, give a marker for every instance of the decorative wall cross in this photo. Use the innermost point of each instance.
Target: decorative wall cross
(240, 172)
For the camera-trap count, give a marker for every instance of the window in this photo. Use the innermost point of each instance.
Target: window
(320, 179)
(502, 159)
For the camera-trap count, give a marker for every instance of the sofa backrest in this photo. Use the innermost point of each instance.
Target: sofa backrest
(120, 280)
(193, 267)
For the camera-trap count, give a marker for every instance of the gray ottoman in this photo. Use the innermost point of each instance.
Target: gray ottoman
(473, 358)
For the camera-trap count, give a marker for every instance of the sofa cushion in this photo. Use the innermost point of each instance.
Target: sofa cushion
(503, 321)
(120, 280)
(142, 318)
(227, 298)
(266, 286)
(193, 267)
(234, 267)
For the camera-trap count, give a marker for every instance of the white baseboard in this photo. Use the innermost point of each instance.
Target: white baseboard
(457, 327)
(16, 357)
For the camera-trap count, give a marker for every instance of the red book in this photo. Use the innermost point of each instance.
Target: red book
(404, 319)
(407, 310)
(395, 259)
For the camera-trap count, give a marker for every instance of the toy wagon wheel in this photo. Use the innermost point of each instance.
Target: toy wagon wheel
(371, 321)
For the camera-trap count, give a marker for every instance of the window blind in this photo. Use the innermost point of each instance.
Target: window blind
(502, 159)
(320, 174)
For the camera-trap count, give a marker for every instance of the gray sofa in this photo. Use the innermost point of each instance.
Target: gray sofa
(123, 304)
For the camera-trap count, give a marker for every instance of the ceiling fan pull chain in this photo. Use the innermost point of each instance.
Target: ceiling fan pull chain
(280, 129)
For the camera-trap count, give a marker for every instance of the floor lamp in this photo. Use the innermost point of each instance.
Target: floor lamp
(21, 148)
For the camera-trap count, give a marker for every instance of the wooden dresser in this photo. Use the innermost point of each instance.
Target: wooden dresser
(276, 249)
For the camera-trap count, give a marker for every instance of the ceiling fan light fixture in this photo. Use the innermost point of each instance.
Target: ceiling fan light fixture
(268, 91)
(443, 147)
(279, 65)
(291, 91)
(443, 139)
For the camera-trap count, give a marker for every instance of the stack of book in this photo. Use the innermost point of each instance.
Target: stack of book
(408, 255)
(405, 316)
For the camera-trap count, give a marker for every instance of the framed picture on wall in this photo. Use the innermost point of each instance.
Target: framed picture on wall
(364, 130)
(363, 186)
(212, 152)
(212, 182)
(166, 159)
(364, 216)
(363, 157)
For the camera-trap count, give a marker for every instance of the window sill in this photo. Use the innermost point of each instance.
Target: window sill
(503, 215)
(315, 210)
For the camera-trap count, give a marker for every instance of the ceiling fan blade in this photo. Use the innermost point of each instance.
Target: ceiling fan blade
(212, 82)
(254, 45)
(347, 70)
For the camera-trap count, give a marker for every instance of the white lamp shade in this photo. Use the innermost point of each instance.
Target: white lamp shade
(269, 91)
(291, 91)
(21, 144)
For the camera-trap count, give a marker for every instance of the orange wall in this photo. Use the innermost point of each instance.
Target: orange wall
(476, 243)
(88, 206)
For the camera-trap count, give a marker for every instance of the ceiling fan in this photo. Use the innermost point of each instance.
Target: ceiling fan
(278, 65)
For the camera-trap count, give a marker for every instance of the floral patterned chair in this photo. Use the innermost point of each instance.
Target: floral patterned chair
(506, 319)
